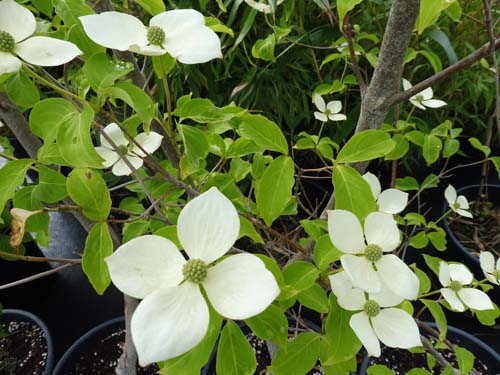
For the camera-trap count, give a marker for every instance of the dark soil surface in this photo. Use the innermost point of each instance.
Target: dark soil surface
(103, 357)
(481, 233)
(23, 349)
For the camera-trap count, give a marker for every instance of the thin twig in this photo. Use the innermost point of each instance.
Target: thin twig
(29, 258)
(35, 277)
(352, 52)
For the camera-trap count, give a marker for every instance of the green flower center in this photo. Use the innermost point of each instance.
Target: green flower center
(195, 270)
(122, 149)
(496, 274)
(371, 308)
(455, 285)
(419, 98)
(156, 35)
(373, 253)
(7, 42)
(456, 205)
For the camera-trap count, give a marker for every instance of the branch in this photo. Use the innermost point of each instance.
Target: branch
(35, 277)
(352, 52)
(29, 258)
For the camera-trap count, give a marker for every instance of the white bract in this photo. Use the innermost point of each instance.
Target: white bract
(262, 6)
(459, 204)
(454, 277)
(490, 270)
(17, 24)
(173, 316)
(328, 111)
(149, 142)
(365, 262)
(390, 201)
(377, 319)
(423, 98)
(181, 32)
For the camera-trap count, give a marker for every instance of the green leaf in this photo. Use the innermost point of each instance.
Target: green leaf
(299, 276)
(74, 141)
(314, 298)
(101, 72)
(325, 253)
(47, 115)
(271, 324)
(352, 192)
(379, 370)
(153, 7)
(496, 163)
(488, 317)
(69, 11)
(418, 371)
(344, 7)
(433, 59)
(134, 229)
(235, 354)
(465, 359)
(88, 189)
(432, 263)
(195, 142)
(438, 239)
(218, 26)
(274, 189)
(191, 362)
(247, 229)
(401, 148)
(51, 186)
(12, 175)
(438, 315)
(298, 357)
(98, 246)
(341, 342)
(451, 147)
(203, 111)
(425, 282)
(22, 91)
(476, 143)
(428, 15)
(419, 240)
(432, 148)
(407, 183)
(263, 132)
(342, 368)
(367, 145)
(264, 48)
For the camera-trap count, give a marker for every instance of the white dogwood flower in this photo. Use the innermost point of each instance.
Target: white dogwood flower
(328, 111)
(423, 98)
(459, 204)
(173, 316)
(149, 142)
(365, 262)
(390, 201)
(180, 32)
(455, 277)
(17, 24)
(262, 6)
(377, 319)
(490, 270)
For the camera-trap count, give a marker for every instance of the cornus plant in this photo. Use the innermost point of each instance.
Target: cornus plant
(376, 319)
(328, 111)
(456, 279)
(17, 26)
(132, 151)
(490, 269)
(424, 98)
(390, 201)
(173, 316)
(364, 262)
(458, 204)
(181, 33)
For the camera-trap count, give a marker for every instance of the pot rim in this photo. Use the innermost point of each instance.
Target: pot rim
(8, 314)
(450, 233)
(83, 339)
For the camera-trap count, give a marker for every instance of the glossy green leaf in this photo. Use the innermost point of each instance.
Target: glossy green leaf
(476, 143)
(98, 246)
(101, 72)
(367, 145)
(263, 132)
(299, 276)
(203, 111)
(264, 48)
(438, 315)
(425, 282)
(47, 115)
(379, 370)
(274, 189)
(465, 359)
(314, 298)
(88, 189)
(195, 142)
(432, 148)
(235, 354)
(325, 253)
(400, 149)
(271, 325)
(352, 192)
(12, 175)
(153, 7)
(22, 91)
(51, 186)
(298, 357)
(344, 7)
(428, 15)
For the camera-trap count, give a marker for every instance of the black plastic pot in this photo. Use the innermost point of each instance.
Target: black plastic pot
(482, 352)
(471, 193)
(14, 315)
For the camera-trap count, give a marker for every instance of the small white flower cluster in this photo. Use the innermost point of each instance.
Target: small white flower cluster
(17, 25)
(459, 204)
(173, 316)
(424, 98)
(374, 281)
(328, 111)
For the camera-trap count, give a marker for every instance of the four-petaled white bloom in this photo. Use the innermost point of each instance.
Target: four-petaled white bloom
(365, 262)
(181, 32)
(490, 270)
(263, 7)
(454, 277)
(17, 24)
(344, 45)
(149, 142)
(173, 315)
(390, 201)
(423, 98)
(328, 111)
(459, 204)
(378, 319)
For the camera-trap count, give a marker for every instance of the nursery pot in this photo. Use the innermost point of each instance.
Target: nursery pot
(28, 337)
(470, 192)
(481, 351)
